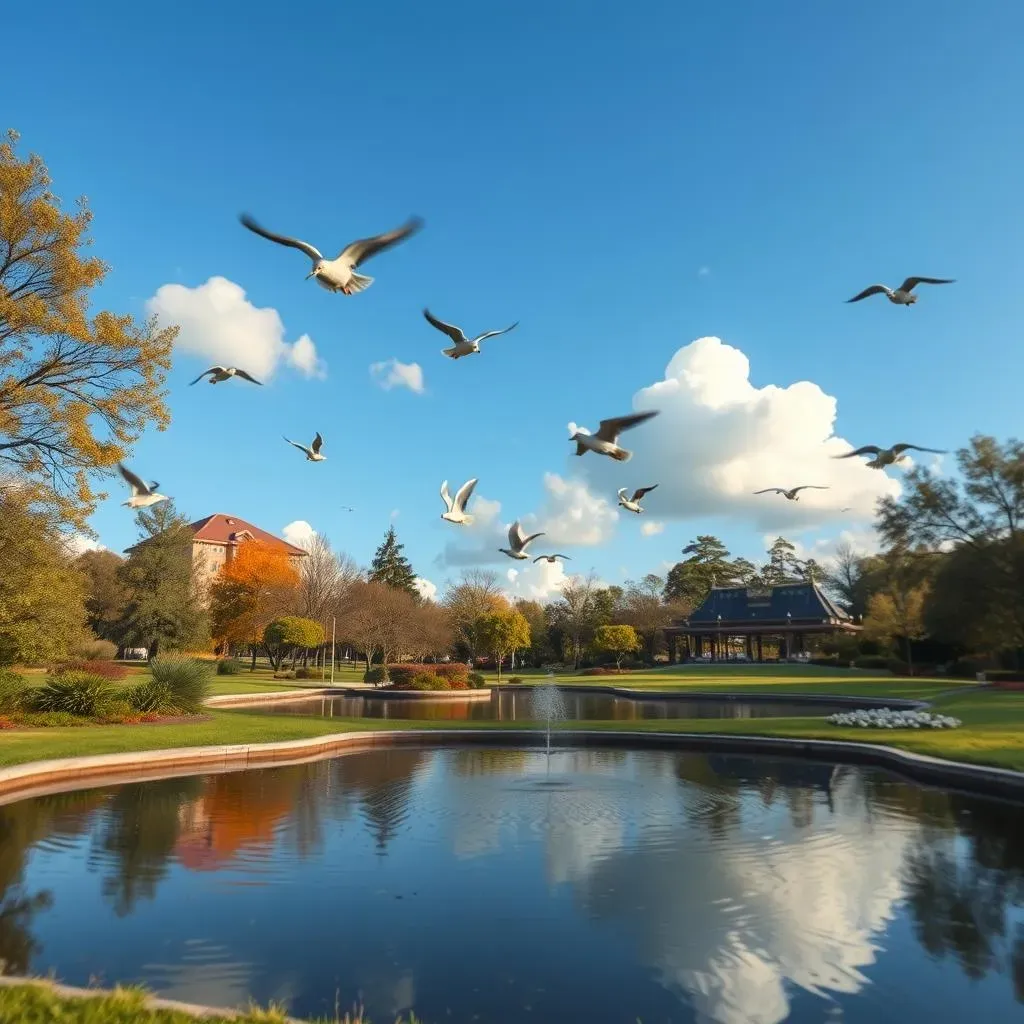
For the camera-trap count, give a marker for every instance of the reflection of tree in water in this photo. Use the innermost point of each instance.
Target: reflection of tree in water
(17, 946)
(383, 780)
(468, 761)
(140, 832)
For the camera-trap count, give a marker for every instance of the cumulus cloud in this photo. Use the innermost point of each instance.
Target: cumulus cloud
(393, 374)
(538, 581)
(77, 543)
(652, 528)
(426, 588)
(220, 324)
(862, 542)
(299, 533)
(726, 438)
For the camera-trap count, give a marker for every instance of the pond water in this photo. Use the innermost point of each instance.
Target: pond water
(488, 885)
(517, 706)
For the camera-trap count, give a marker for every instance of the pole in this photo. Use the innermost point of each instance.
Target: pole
(334, 623)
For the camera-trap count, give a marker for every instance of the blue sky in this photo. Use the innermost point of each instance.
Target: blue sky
(622, 182)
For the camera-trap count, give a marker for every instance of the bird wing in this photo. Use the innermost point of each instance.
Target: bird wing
(318, 442)
(773, 490)
(897, 448)
(463, 494)
(912, 282)
(622, 492)
(875, 289)
(810, 487)
(248, 376)
(494, 334)
(134, 482)
(868, 449)
(296, 243)
(453, 332)
(212, 369)
(515, 536)
(540, 558)
(530, 539)
(360, 251)
(301, 447)
(566, 557)
(609, 430)
(446, 497)
(641, 491)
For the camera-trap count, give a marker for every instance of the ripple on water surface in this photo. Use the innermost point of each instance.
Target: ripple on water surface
(475, 884)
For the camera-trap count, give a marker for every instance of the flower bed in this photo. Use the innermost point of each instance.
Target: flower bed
(886, 718)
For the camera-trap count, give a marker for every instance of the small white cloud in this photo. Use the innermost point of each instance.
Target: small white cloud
(427, 589)
(571, 514)
(77, 543)
(651, 528)
(299, 533)
(540, 581)
(222, 326)
(393, 374)
(394, 514)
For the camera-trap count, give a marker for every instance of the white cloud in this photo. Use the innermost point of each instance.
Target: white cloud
(651, 528)
(426, 588)
(77, 543)
(299, 533)
(220, 324)
(538, 581)
(862, 542)
(726, 438)
(393, 374)
(394, 514)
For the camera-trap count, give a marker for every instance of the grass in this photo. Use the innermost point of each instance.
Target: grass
(39, 1004)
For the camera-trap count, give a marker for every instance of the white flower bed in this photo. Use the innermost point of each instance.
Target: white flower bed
(886, 718)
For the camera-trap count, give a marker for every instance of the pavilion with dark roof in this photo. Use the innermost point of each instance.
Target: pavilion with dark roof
(764, 623)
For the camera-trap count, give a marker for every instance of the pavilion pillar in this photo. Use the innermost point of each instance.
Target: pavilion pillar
(760, 651)
(750, 647)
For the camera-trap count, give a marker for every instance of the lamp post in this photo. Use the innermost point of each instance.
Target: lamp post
(719, 644)
(334, 624)
(789, 626)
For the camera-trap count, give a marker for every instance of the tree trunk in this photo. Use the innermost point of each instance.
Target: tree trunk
(497, 658)
(252, 648)
(618, 660)
(910, 659)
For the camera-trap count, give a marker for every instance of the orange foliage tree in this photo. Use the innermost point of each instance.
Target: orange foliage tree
(254, 588)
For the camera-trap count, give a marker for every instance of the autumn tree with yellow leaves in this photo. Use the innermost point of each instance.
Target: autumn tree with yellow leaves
(77, 388)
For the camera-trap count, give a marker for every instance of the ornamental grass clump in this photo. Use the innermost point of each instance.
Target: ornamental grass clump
(13, 691)
(75, 693)
(186, 679)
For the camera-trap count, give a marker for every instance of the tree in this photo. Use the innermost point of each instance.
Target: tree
(289, 634)
(475, 595)
(76, 391)
(783, 565)
(643, 609)
(323, 579)
(982, 514)
(898, 614)
(42, 612)
(163, 608)
(376, 620)
(430, 631)
(617, 640)
(537, 620)
(504, 633)
(708, 565)
(258, 585)
(391, 567)
(576, 613)
(106, 596)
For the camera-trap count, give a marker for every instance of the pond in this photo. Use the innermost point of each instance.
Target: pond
(517, 706)
(488, 885)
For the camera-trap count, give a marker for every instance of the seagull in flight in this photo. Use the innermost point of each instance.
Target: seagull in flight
(887, 456)
(633, 504)
(455, 508)
(904, 295)
(605, 441)
(220, 373)
(794, 493)
(313, 451)
(463, 346)
(551, 558)
(517, 542)
(338, 275)
(143, 494)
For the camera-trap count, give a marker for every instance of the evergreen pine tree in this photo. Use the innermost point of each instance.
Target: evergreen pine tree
(391, 567)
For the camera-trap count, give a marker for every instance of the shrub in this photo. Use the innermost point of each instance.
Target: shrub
(871, 661)
(51, 719)
(457, 684)
(825, 662)
(1003, 675)
(968, 668)
(152, 697)
(307, 673)
(284, 675)
(75, 693)
(516, 681)
(13, 692)
(477, 681)
(6, 722)
(451, 671)
(229, 667)
(428, 681)
(105, 669)
(187, 680)
(96, 650)
(601, 670)
(119, 712)
(376, 675)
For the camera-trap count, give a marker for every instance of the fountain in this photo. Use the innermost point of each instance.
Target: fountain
(548, 705)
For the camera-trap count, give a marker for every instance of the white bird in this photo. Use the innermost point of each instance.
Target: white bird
(604, 442)
(313, 451)
(455, 508)
(347, 508)
(794, 493)
(338, 275)
(517, 542)
(143, 495)
(633, 504)
(463, 346)
(551, 558)
(219, 373)
(904, 295)
(886, 456)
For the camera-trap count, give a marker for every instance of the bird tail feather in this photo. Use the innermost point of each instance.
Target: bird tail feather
(359, 283)
(580, 448)
(450, 353)
(621, 455)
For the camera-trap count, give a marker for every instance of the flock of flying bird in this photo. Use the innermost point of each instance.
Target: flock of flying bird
(339, 275)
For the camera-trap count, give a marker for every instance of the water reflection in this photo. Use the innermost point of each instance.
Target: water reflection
(512, 706)
(663, 886)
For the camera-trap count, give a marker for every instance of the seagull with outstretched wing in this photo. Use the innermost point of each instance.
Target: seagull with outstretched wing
(551, 558)
(605, 440)
(517, 542)
(794, 493)
(221, 373)
(455, 508)
(887, 456)
(633, 504)
(462, 346)
(313, 451)
(904, 295)
(143, 494)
